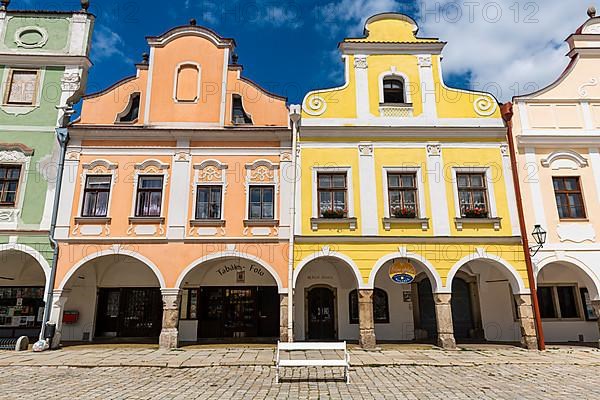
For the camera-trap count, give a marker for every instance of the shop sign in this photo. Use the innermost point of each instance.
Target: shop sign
(237, 268)
(402, 271)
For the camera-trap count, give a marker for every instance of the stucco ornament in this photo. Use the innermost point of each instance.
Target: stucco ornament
(262, 174)
(360, 62)
(485, 106)
(70, 82)
(315, 106)
(31, 37)
(210, 174)
(582, 90)
(12, 156)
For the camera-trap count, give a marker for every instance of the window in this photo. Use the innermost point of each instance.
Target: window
(472, 195)
(261, 202)
(187, 85)
(239, 116)
(208, 202)
(402, 194)
(149, 196)
(381, 313)
(393, 90)
(569, 200)
(22, 88)
(558, 302)
(588, 309)
(332, 189)
(9, 183)
(132, 111)
(95, 196)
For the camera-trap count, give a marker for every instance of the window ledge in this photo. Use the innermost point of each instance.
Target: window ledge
(424, 222)
(574, 220)
(92, 220)
(207, 222)
(147, 220)
(261, 222)
(477, 221)
(315, 222)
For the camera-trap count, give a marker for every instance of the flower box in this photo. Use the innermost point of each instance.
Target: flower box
(404, 212)
(475, 212)
(333, 214)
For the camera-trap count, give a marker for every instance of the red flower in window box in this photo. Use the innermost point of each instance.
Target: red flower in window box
(333, 214)
(475, 212)
(404, 212)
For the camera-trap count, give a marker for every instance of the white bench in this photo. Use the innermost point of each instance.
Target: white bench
(304, 346)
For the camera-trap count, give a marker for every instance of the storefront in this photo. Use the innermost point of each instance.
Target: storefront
(21, 311)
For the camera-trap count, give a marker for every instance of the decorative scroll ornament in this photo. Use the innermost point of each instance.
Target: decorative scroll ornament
(210, 174)
(12, 156)
(365, 149)
(424, 61)
(582, 89)
(434, 149)
(315, 106)
(70, 82)
(360, 62)
(485, 106)
(262, 174)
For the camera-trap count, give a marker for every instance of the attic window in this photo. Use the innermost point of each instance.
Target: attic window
(187, 83)
(238, 115)
(393, 91)
(132, 111)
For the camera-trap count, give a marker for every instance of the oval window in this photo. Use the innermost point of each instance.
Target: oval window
(31, 37)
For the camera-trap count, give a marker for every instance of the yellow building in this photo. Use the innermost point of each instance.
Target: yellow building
(406, 224)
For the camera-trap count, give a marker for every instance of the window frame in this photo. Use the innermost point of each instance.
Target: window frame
(491, 196)
(353, 320)
(567, 193)
(9, 83)
(210, 187)
(332, 190)
(86, 190)
(402, 190)
(139, 190)
(391, 91)
(4, 181)
(397, 75)
(556, 302)
(261, 187)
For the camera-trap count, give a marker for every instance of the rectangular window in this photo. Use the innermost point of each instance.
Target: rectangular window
(558, 302)
(402, 195)
(95, 196)
(332, 195)
(208, 202)
(472, 195)
(149, 196)
(22, 87)
(262, 204)
(9, 184)
(588, 309)
(569, 199)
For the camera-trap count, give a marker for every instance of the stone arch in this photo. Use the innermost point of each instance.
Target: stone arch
(115, 252)
(232, 253)
(342, 257)
(429, 269)
(42, 262)
(593, 282)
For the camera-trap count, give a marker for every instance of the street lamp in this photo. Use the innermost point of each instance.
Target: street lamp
(539, 235)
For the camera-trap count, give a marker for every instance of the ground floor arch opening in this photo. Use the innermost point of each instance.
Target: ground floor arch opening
(110, 298)
(23, 288)
(569, 304)
(230, 299)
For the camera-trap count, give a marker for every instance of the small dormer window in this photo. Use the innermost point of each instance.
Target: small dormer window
(132, 111)
(393, 91)
(239, 116)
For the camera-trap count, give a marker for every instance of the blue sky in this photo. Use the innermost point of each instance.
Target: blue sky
(290, 47)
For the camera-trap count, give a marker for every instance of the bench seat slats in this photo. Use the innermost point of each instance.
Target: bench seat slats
(299, 346)
(313, 363)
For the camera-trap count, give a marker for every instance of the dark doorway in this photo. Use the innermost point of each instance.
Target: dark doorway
(427, 321)
(462, 309)
(129, 312)
(238, 312)
(321, 314)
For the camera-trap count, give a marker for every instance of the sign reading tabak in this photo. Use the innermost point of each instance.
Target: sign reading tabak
(255, 269)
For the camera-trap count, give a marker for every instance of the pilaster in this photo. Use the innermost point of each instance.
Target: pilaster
(169, 335)
(366, 324)
(526, 321)
(443, 316)
(283, 317)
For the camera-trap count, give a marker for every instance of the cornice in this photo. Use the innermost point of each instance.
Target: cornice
(18, 59)
(553, 140)
(391, 48)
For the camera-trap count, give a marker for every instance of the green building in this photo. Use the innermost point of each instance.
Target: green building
(43, 69)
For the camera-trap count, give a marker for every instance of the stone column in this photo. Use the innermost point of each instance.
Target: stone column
(169, 335)
(366, 324)
(596, 306)
(283, 317)
(59, 299)
(443, 316)
(526, 321)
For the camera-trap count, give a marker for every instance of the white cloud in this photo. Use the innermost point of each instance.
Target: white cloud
(514, 46)
(349, 16)
(108, 44)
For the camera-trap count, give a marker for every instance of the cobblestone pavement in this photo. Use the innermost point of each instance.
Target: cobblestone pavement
(235, 373)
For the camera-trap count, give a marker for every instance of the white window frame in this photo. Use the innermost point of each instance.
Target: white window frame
(140, 171)
(221, 183)
(176, 82)
(88, 170)
(275, 183)
(397, 74)
(9, 215)
(420, 189)
(493, 211)
(349, 189)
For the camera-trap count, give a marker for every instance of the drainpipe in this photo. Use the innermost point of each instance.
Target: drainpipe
(62, 135)
(295, 118)
(507, 114)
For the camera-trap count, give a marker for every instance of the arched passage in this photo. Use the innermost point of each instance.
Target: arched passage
(230, 297)
(23, 286)
(568, 295)
(322, 294)
(484, 308)
(111, 296)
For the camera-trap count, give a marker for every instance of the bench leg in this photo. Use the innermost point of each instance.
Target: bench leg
(276, 374)
(347, 373)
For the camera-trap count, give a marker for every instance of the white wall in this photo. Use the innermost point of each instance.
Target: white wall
(401, 326)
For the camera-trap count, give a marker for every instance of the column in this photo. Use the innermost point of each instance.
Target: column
(283, 317)
(169, 335)
(366, 323)
(59, 299)
(596, 306)
(179, 194)
(526, 321)
(443, 316)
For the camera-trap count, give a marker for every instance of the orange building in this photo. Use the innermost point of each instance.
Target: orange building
(174, 213)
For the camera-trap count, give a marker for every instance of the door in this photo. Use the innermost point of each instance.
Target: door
(107, 315)
(462, 309)
(321, 314)
(268, 311)
(427, 319)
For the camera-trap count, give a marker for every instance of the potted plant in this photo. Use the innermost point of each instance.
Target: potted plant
(404, 212)
(336, 213)
(475, 212)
